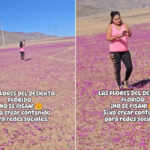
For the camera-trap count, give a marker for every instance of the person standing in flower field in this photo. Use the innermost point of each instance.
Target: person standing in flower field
(117, 34)
(21, 49)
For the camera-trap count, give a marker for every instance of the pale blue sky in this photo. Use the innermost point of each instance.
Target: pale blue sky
(52, 17)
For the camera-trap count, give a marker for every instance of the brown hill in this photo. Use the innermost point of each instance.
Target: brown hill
(90, 7)
(93, 16)
(14, 37)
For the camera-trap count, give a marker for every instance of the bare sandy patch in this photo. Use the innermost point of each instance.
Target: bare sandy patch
(95, 24)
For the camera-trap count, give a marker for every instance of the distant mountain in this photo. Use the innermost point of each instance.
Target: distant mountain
(90, 7)
(13, 37)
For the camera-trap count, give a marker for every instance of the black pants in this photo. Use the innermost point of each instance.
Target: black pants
(22, 55)
(116, 58)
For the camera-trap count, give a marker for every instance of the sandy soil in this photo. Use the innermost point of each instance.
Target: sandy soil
(47, 66)
(98, 23)
(95, 72)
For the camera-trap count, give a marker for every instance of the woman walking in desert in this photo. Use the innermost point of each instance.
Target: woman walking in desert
(21, 49)
(117, 35)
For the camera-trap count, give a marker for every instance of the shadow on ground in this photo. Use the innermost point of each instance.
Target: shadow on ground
(28, 59)
(141, 83)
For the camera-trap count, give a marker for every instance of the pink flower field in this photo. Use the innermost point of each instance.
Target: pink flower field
(46, 67)
(95, 72)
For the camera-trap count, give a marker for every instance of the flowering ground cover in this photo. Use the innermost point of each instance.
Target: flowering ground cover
(95, 72)
(46, 67)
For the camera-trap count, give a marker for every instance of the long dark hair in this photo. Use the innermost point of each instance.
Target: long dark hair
(113, 14)
(21, 44)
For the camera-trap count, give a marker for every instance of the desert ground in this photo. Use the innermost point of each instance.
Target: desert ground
(95, 72)
(49, 65)
(98, 23)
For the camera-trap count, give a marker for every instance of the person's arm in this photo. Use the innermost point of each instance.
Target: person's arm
(129, 33)
(109, 36)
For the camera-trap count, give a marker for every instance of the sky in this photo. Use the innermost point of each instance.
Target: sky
(52, 17)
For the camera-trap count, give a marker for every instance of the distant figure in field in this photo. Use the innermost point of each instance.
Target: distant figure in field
(117, 34)
(21, 49)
